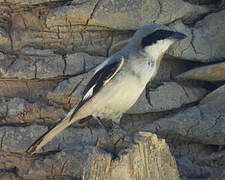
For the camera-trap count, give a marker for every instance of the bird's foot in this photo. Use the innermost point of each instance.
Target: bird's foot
(107, 130)
(117, 138)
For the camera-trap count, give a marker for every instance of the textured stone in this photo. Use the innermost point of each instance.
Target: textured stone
(61, 165)
(10, 109)
(81, 62)
(63, 39)
(216, 94)
(18, 139)
(167, 97)
(203, 123)
(19, 111)
(69, 92)
(208, 39)
(61, 162)
(45, 64)
(5, 43)
(31, 89)
(123, 15)
(215, 72)
(34, 64)
(149, 158)
(28, 1)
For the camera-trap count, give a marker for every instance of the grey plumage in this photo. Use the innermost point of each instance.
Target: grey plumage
(119, 80)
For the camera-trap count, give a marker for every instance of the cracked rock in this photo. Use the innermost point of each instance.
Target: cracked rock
(204, 123)
(20, 111)
(28, 89)
(166, 97)
(45, 64)
(208, 39)
(146, 159)
(34, 64)
(18, 139)
(81, 62)
(60, 164)
(124, 15)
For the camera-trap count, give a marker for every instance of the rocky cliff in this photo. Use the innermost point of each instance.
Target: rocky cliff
(48, 50)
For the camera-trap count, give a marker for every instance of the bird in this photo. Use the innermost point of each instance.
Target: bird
(119, 80)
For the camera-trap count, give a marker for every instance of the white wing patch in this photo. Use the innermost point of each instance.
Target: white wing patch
(91, 90)
(89, 93)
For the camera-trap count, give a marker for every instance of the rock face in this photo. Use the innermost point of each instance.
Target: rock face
(215, 72)
(203, 123)
(49, 51)
(59, 164)
(138, 163)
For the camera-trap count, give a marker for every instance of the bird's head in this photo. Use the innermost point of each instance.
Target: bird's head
(155, 39)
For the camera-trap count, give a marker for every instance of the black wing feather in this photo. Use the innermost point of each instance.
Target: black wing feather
(100, 77)
(98, 80)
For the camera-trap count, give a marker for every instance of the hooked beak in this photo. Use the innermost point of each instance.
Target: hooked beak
(178, 36)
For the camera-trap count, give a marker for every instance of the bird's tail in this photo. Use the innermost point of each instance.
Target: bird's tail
(50, 134)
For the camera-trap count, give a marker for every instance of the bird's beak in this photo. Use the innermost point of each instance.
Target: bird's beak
(178, 36)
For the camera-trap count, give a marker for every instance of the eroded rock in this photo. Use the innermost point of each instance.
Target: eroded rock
(215, 72)
(123, 15)
(203, 123)
(208, 38)
(147, 159)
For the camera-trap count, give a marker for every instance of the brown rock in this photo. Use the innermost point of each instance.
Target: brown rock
(123, 15)
(31, 89)
(149, 158)
(215, 72)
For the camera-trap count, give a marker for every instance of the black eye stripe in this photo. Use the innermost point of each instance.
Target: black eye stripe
(155, 36)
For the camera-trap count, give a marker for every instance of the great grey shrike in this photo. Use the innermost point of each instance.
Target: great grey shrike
(119, 80)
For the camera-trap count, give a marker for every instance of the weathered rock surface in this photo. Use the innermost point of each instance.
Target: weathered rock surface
(216, 94)
(20, 111)
(45, 64)
(149, 158)
(61, 163)
(48, 50)
(168, 96)
(208, 39)
(28, 89)
(82, 27)
(203, 123)
(123, 15)
(215, 72)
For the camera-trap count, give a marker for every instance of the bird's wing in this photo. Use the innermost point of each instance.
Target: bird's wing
(106, 71)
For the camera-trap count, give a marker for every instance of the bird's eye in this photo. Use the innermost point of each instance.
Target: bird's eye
(155, 36)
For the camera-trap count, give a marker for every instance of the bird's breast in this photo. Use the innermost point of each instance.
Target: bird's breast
(124, 89)
(144, 70)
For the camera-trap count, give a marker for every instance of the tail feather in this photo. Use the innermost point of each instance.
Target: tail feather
(51, 133)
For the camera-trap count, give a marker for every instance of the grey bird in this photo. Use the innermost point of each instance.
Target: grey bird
(119, 80)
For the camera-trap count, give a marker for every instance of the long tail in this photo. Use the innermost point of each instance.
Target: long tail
(50, 134)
